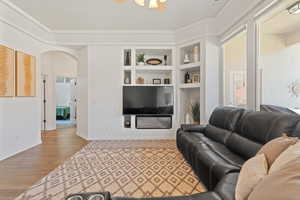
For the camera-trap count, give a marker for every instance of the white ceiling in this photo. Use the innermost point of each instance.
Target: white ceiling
(281, 22)
(109, 15)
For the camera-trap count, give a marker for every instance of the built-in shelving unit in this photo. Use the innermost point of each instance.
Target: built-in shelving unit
(136, 73)
(189, 86)
(189, 66)
(140, 74)
(198, 58)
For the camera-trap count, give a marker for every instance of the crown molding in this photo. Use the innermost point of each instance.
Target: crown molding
(223, 9)
(97, 32)
(241, 18)
(213, 26)
(26, 15)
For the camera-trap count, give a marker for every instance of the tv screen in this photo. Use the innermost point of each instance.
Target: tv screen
(143, 100)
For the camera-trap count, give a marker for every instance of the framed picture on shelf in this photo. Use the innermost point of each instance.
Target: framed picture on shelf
(196, 77)
(156, 81)
(167, 81)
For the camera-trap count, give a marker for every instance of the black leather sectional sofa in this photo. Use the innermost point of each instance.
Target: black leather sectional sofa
(217, 151)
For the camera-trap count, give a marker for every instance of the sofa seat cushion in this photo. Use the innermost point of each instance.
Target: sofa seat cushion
(217, 166)
(200, 150)
(192, 140)
(225, 153)
(226, 187)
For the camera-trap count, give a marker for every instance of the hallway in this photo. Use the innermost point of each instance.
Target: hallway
(21, 171)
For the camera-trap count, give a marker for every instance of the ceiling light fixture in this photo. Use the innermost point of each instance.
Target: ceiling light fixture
(295, 8)
(156, 4)
(140, 2)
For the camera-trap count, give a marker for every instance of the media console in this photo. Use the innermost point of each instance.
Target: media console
(153, 122)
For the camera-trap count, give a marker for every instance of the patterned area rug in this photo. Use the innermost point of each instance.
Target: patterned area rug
(131, 168)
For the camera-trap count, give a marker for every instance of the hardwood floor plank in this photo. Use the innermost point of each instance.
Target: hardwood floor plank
(21, 171)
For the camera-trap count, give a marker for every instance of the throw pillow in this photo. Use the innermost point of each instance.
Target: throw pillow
(283, 184)
(288, 155)
(275, 147)
(252, 172)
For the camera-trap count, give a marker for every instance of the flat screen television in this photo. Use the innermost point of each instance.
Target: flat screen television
(144, 100)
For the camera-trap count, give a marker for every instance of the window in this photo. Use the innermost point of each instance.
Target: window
(235, 71)
(278, 62)
(61, 79)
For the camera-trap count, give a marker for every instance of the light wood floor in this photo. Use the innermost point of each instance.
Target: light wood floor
(21, 171)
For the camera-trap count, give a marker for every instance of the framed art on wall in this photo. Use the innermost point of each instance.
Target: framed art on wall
(25, 75)
(7, 72)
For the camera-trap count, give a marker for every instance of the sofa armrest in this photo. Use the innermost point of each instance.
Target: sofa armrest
(193, 128)
(199, 196)
(226, 187)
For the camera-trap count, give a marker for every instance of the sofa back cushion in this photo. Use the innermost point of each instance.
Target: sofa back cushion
(296, 132)
(242, 146)
(226, 117)
(261, 127)
(217, 134)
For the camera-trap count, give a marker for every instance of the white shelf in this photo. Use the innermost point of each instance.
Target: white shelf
(146, 85)
(189, 85)
(149, 68)
(127, 68)
(155, 68)
(190, 66)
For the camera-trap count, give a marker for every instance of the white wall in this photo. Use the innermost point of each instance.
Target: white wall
(83, 94)
(64, 64)
(235, 60)
(19, 129)
(48, 71)
(54, 64)
(105, 97)
(280, 66)
(212, 79)
(20, 117)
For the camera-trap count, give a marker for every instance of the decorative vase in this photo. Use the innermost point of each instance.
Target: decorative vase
(188, 118)
(140, 80)
(127, 80)
(141, 63)
(186, 77)
(196, 54)
(166, 59)
(127, 59)
(186, 59)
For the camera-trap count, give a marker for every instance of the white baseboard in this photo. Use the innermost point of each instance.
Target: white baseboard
(21, 150)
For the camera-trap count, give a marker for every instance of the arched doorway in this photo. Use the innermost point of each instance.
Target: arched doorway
(58, 89)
